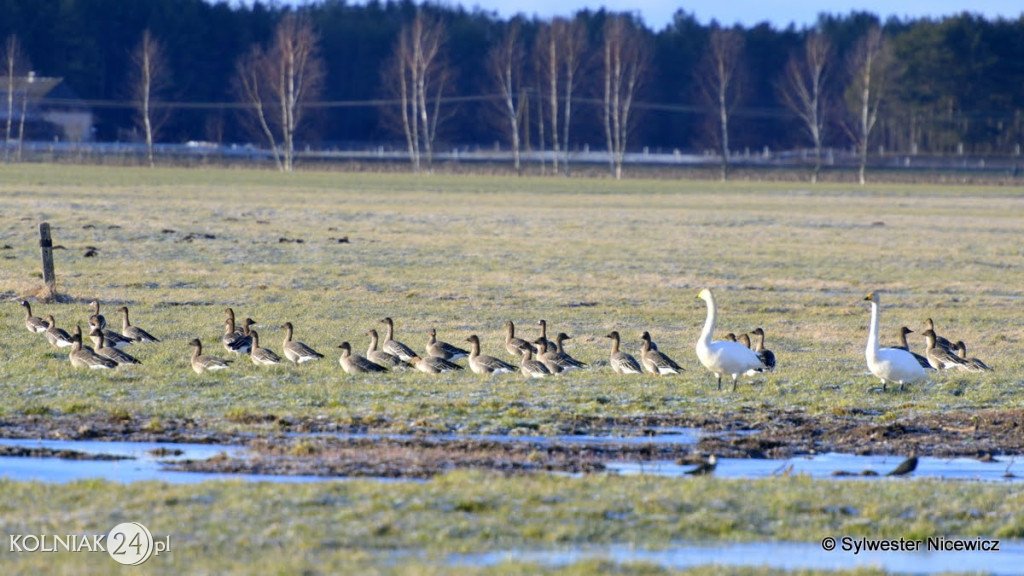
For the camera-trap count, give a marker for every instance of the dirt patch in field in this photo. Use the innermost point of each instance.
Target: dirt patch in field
(293, 446)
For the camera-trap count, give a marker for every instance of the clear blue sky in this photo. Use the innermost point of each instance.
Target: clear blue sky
(658, 13)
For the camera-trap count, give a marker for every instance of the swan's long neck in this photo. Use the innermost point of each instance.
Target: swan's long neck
(709, 323)
(872, 348)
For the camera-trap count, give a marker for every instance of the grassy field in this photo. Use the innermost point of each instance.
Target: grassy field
(464, 254)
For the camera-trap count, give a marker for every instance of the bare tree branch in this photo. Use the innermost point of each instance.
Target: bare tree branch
(803, 90)
(250, 85)
(148, 80)
(505, 61)
(869, 65)
(626, 57)
(16, 66)
(719, 81)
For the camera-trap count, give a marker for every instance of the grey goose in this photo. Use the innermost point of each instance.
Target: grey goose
(134, 333)
(109, 352)
(433, 365)
(296, 351)
(34, 324)
(563, 355)
(621, 362)
(544, 336)
(82, 357)
(356, 364)
(443, 349)
(547, 356)
(394, 347)
(940, 342)
(532, 368)
(940, 358)
(57, 336)
(97, 319)
(235, 339)
(483, 364)
(112, 338)
(515, 346)
(970, 364)
(261, 356)
(381, 357)
(904, 346)
(201, 362)
(767, 356)
(655, 361)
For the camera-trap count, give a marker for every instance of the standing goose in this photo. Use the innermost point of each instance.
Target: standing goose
(940, 358)
(82, 357)
(483, 364)
(229, 313)
(97, 319)
(394, 347)
(547, 356)
(544, 336)
(134, 333)
(766, 356)
(654, 361)
(201, 362)
(723, 357)
(112, 338)
(33, 323)
(889, 364)
(970, 364)
(443, 349)
(515, 346)
(381, 357)
(621, 362)
(108, 352)
(904, 346)
(940, 342)
(569, 363)
(57, 336)
(296, 351)
(532, 368)
(261, 356)
(237, 340)
(356, 364)
(433, 365)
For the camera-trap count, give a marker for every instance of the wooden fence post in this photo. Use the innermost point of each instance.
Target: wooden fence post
(46, 243)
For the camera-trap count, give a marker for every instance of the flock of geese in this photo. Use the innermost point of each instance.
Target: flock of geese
(733, 356)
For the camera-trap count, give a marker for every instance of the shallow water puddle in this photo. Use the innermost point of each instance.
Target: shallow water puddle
(668, 436)
(778, 555)
(144, 465)
(826, 466)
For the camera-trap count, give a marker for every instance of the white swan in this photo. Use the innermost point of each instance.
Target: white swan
(723, 356)
(889, 364)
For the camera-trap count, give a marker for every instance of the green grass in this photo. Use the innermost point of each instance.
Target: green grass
(464, 254)
(346, 527)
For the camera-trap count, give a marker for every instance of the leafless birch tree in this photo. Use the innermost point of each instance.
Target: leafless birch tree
(16, 68)
(574, 46)
(718, 78)
(869, 64)
(250, 85)
(418, 76)
(626, 56)
(148, 80)
(803, 89)
(278, 84)
(505, 61)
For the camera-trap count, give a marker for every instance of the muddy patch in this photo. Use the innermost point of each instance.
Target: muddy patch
(319, 447)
